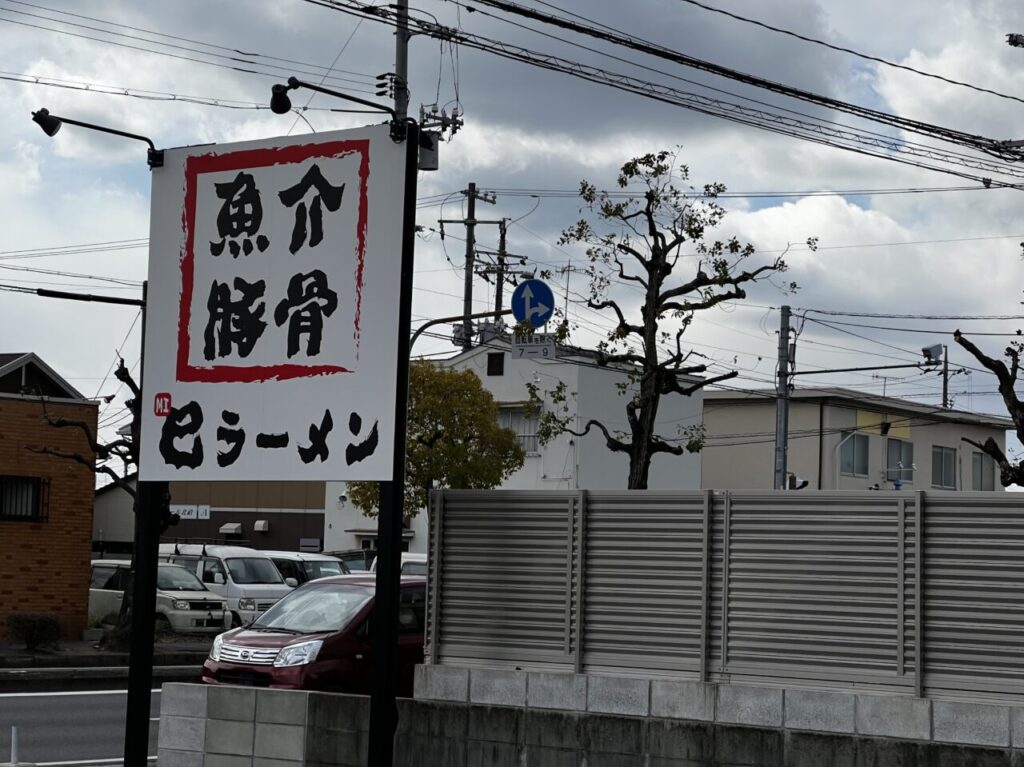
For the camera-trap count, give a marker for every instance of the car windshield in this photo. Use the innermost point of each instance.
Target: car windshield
(414, 568)
(253, 570)
(321, 568)
(173, 578)
(317, 608)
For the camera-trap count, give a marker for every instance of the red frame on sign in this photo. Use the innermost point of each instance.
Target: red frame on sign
(256, 158)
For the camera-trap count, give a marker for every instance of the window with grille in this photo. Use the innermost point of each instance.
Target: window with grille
(23, 499)
(944, 467)
(899, 460)
(523, 424)
(983, 471)
(853, 454)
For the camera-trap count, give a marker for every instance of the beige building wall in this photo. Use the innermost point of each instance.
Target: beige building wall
(740, 449)
(739, 452)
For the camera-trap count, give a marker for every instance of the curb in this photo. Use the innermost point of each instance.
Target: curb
(87, 678)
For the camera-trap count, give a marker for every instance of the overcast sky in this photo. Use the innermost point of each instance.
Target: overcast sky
(882, 248)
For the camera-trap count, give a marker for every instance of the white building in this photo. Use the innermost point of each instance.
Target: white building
(568, 462)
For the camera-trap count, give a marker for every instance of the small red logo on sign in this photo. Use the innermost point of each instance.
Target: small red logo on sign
(162, 404)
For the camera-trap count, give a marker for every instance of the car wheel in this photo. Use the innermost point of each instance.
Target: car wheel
(236, 620)
(162, 625)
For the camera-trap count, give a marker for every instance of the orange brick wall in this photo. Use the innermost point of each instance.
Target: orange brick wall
(44, 566)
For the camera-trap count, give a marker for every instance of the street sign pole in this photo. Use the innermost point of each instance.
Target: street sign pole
(384, 620)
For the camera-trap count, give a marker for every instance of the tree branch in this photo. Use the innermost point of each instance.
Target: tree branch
(612, 359)
(622, 269)
(703, 280)
(122, 374)
(615, 445)
(101, 451)
(92, 466)
(623, 325)
(670, 384)
(659, 445)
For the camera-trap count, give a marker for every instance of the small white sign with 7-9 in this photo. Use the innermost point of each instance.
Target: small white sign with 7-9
(533, 345)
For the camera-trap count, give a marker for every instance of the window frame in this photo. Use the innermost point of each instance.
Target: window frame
(943, 451)
(851, 439)
(37, 508)
(526, 437)
(892, 472)
(985, 460)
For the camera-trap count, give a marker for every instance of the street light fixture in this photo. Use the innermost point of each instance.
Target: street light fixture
(51, 124)
(281, 104)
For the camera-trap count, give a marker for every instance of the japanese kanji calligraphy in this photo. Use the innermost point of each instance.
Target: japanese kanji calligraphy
(272, 312)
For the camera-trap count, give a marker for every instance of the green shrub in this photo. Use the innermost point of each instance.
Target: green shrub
(34, 629)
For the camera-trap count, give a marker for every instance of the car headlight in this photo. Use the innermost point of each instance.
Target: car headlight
(246, 604)
(298, 654)
(180, 604)
(218, 642)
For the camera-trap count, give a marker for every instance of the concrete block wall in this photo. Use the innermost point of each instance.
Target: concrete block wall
(794, 715)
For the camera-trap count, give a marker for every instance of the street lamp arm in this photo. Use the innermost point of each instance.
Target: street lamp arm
(51, 124)
(294, 82)
(46, 293)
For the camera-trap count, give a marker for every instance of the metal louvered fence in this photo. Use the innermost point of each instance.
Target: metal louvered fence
(816, 587)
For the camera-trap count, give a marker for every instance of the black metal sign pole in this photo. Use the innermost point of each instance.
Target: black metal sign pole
(384, 621)
(148, 500)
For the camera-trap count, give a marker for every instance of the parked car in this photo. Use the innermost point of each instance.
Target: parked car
(356, 560)
(318, 638)
(183, 603)
(412, 564)
(245, 577)
(304, 566)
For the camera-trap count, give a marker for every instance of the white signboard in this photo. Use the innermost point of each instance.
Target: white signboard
(272, 313)
(533, 345)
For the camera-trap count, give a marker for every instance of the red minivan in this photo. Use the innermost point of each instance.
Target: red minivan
(318, 638)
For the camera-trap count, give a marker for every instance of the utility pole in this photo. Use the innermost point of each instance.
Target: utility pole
(467, 288)
(470, 222)
(945, 377)
(499, 285)
(401, 59)
(782, 402)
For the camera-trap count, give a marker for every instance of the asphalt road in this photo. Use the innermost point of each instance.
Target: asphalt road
(68, 727)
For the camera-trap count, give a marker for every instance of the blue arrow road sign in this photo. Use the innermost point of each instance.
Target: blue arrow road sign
(533, 302)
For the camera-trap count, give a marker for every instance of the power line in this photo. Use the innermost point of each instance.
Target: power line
(837, 313)
(919, 330)
(146, 95)
(266, 72)
(810, 129)
(850, 51)
(183, 39)
(574, 193)
(635, 43)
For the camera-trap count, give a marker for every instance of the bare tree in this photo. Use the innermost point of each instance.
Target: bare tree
(641, 246)
(125, 450)
(1010, 473)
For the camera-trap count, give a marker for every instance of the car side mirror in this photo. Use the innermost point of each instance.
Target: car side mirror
(218, 578)
(291, 582)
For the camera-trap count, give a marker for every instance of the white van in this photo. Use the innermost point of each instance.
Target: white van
(245, 577)
(412, 564)
(305, 566)
(182, 603)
